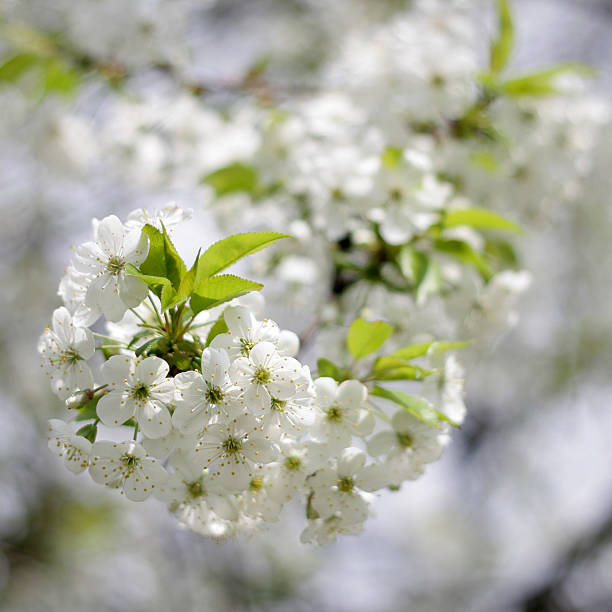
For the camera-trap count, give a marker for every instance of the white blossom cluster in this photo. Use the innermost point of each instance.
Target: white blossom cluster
(230, 439)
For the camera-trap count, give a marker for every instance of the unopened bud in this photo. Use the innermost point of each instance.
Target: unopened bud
(79, 399)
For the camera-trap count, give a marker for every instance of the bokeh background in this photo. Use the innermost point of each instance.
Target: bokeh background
(518, 514)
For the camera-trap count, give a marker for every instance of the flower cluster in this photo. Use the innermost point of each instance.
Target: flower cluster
(204, 406)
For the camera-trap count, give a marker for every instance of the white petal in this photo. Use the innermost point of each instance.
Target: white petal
(151, 370)
(114, 409)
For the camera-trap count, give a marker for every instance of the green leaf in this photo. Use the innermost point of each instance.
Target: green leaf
(89, 409)
(15, 67)
(326, 368)
(366, 337)
(220, 327)
(228, 251)
(161, 286)
(394, 368)
(484, 160)
(412, 351)
(543, 82)
(442, 346)
(211, 292)
(421, 271)
(60, 78)
(391, 157)
(419, 350)
(479, 218)
(163, 259)
(501, 49)
(231, 179)
(418, 407)
(189, 280)
(89, 432)
(502, 253)
(464, 253)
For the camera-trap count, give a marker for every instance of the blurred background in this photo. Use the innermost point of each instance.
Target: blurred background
(518, 514)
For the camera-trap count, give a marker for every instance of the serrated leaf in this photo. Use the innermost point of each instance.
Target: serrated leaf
(479, 218)
(366, 337)
(418, 407)
(326, 368)
(231, 179)
(189, 279)
(464, 253)
(228, 251)
(163, 261)
(501, 49)
(220, 327)
(211, 292)
(394, 368)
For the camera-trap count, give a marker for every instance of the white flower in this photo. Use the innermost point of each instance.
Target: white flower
(235, 449)
(296, 463)
(64, 350)
(75, 450)
(126, 465)
(409, 446)
(295, 414)
(343, 412)
(169, 216)
(325, 531)
(266, 377)
(110, 290)
(200, 397)
(137, 389)
(195, 495)
(245, 331)
(258, 501)
(339, 491)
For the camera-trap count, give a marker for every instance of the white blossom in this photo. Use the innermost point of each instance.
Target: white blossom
(75, 449)
(126, 465)
(102, 263)
(65, 349)
(137, 388)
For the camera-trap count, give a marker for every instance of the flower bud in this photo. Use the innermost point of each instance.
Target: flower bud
(79, 399)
